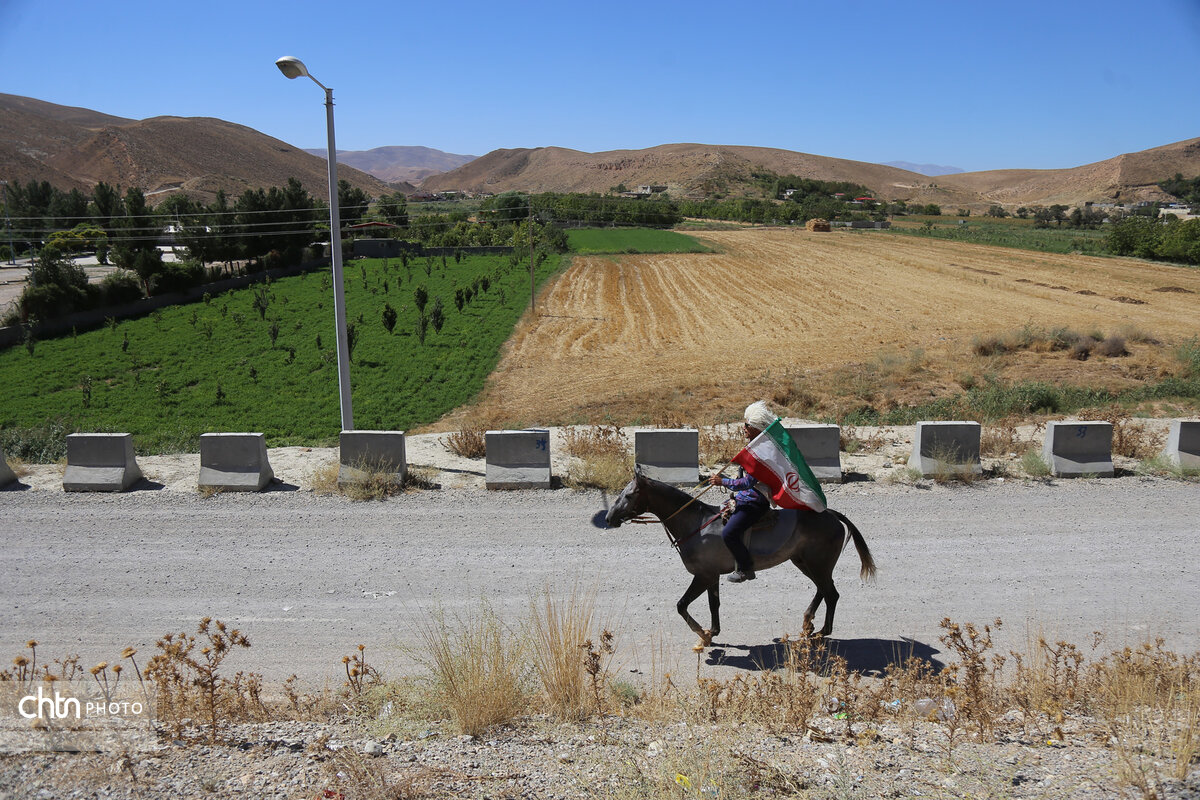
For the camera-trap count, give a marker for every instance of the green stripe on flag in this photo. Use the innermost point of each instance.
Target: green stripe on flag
(783, 440)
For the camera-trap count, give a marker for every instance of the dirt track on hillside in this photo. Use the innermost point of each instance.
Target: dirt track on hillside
(648, 337)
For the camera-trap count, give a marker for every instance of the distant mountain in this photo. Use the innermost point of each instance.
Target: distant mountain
(687, 170)
(697, 170)
(78, 148)
(932, 170)
(397, 163)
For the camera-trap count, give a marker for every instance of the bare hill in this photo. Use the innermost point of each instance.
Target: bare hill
(72, 147)
(685, 169)
(694, 170)
(1126, 178)
(400, 164)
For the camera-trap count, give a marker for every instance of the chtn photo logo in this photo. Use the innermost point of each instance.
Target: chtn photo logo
(44, 706)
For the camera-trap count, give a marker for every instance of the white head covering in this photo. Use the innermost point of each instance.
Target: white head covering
(759, 416)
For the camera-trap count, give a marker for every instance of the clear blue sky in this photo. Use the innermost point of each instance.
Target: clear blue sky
(975, 85)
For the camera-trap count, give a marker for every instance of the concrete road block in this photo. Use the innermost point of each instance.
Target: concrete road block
(7, 476)
(234, 462)
(517, 459)
(1183, 444)
(821, 447)
(946, 448)
(671, 456)
(1076, 449)
(100, 462)
(364, 452)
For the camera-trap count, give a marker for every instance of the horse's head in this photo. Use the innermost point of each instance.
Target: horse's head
(629, 503)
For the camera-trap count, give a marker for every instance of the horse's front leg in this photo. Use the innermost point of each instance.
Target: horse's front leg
(714, 610)
(699, 584)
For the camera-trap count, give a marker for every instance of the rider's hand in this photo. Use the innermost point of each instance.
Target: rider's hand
(715, 480)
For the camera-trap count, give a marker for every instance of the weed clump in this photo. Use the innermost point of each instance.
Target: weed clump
(600, 457)
(186, 676)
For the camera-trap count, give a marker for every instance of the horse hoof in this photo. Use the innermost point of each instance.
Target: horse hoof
(706, 638)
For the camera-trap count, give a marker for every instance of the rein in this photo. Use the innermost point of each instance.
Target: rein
(642, 519)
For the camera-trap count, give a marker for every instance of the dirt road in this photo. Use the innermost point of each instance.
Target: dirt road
(308, 578)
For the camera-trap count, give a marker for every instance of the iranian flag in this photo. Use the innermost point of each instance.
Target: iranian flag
(773, 458)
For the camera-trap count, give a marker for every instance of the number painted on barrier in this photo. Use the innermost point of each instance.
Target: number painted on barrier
(1081, 432)
(542, 444)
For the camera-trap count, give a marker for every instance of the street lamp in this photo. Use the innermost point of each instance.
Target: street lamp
(12, 253)
(294, 68)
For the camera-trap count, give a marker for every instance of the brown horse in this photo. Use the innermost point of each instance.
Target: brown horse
(809, 540)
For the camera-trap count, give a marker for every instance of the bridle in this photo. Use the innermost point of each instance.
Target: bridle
(676, 542)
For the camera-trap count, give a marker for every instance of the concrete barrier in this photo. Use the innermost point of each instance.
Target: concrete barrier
(1183, 444)
(100, 462)
(234, 462)
(821, 447)
(363, 452)
(946, 448)
(1076, 449)
(7, 476)
(671, 456)
(517, 459)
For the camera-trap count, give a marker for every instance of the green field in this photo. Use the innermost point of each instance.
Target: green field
(600, 241)
(211, 366)
(1006, 232)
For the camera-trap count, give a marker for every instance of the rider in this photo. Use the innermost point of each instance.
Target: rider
(750, 502)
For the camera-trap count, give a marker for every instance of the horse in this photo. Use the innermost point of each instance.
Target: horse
(810, 540)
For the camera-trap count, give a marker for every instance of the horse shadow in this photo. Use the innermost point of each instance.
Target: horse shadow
(864, 656)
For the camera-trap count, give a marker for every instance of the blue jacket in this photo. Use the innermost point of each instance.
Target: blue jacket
(743, 490)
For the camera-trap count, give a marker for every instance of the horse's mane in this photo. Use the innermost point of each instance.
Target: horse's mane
(675, 493)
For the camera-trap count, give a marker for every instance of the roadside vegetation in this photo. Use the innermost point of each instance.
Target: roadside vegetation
(552, 675)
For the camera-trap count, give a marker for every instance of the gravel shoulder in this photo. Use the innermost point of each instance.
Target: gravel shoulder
(309, 577)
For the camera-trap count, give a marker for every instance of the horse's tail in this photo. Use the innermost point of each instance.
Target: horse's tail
(867, 572)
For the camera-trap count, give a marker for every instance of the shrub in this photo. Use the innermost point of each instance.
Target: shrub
(120, 287)
(176, 277)
(1112, 347)
(470, 442)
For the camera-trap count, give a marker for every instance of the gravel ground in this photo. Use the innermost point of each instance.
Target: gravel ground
(610, 757)
(309, 577)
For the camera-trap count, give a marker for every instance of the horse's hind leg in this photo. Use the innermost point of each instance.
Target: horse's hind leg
(810, 612)
(830, 593)
(825, 591)
(698, 586)
(714, 610)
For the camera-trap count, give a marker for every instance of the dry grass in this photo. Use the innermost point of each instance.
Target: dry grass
(852, 440)
(19, 467)
(370, 481)
(1143, 702)
(719, 444)
(478, 668)
(1130, 437)
(600, 457)
(470, 441)
(570, 657)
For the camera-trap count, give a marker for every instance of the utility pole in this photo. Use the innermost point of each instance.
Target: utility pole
(8, 224)
(532, 300)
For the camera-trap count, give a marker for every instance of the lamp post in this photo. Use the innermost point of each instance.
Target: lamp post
(294, 68)
(12, 253)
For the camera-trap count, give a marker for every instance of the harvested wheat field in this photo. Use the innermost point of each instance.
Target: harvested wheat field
(822, 323)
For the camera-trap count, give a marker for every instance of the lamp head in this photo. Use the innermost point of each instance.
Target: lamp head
(292, 67)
